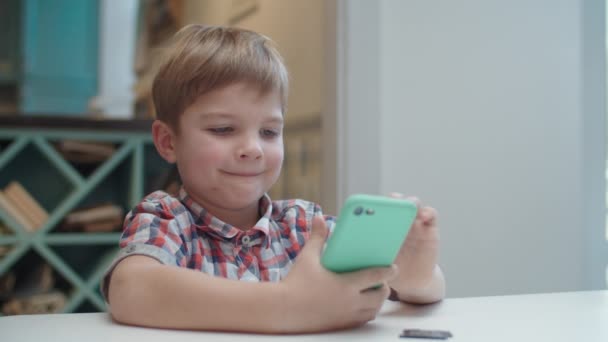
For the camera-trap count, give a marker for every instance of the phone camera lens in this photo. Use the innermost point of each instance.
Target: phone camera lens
(358, 211)
(370, 211)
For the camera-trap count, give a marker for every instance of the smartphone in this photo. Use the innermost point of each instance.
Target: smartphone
(369, 232)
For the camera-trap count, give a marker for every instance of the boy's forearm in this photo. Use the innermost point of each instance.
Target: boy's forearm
(154, 295)
(425, 289)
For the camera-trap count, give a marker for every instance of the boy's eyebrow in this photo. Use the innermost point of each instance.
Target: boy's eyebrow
(214, 115)
(275, 119)
(222, 115)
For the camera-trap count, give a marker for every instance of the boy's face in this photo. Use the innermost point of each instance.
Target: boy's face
(230, 147)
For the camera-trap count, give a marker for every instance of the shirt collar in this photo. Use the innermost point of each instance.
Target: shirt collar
(222, 230)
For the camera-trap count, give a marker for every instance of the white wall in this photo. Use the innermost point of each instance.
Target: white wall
(594, 143)
(483, 111)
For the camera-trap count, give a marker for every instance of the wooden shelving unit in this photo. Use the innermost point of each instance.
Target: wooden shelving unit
(28, 154)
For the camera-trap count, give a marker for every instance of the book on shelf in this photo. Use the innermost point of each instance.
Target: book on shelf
(103, 226)
(4, 230)
(25, 291)
(15, 213)
(39, 303)
(35, 279)
(26, 203)
(4, 250)
(84, 151)
(103, 212)
(7, 284)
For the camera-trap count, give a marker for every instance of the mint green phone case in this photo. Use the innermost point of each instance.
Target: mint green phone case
(369, 232)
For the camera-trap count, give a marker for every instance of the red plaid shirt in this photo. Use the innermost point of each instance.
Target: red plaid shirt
(179, 232)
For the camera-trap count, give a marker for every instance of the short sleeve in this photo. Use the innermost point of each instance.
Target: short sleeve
(151, 229)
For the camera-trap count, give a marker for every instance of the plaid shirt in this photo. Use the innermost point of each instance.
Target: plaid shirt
(179, 232)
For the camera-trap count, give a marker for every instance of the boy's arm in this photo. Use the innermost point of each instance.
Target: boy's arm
(145, 292)
(419, 289)
(420, 279)
(310, 299)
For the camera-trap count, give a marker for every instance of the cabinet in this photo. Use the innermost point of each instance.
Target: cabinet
(48, 56)
(60, 49)
(29, 155)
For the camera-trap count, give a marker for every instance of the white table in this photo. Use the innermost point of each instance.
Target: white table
(555, 317)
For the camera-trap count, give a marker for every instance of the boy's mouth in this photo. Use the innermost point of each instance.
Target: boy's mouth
(243, 174)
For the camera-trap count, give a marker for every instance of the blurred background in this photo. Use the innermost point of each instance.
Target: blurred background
(493, 112)
(97, 59)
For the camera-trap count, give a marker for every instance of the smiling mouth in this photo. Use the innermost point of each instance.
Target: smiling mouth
(243, 174)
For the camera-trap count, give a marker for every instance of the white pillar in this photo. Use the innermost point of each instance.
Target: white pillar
(118, 25)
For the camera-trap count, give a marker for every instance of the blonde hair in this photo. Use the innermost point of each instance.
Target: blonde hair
(204, 58)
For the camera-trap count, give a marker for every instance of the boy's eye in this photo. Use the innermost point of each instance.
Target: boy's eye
(269, 133)
(221, 130)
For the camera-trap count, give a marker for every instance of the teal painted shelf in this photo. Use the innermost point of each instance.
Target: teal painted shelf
(29, 155)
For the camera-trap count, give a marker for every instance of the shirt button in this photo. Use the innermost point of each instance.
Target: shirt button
(245, 240)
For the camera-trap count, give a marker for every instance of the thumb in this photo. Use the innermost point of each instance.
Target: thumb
(318, 234)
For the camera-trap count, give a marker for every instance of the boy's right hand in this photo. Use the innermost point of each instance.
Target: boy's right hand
(315, 299)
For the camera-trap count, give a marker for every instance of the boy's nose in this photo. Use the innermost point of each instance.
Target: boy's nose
(251, 149)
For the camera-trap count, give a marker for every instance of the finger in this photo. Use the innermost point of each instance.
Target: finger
(373, 299)
(395, 195)
(413, 199)
(318, 234)
(399, 195)
(428, 214)
(367, 315)
(370, 277)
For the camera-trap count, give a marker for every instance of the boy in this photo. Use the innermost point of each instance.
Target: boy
(245, 263)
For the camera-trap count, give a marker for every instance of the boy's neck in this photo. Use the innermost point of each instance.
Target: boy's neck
(241, 218)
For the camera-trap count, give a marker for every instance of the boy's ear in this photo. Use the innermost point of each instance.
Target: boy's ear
(164, 140)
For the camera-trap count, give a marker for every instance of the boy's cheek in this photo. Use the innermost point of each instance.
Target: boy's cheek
(276, 157)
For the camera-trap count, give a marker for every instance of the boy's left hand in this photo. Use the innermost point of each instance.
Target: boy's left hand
(420, 280)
